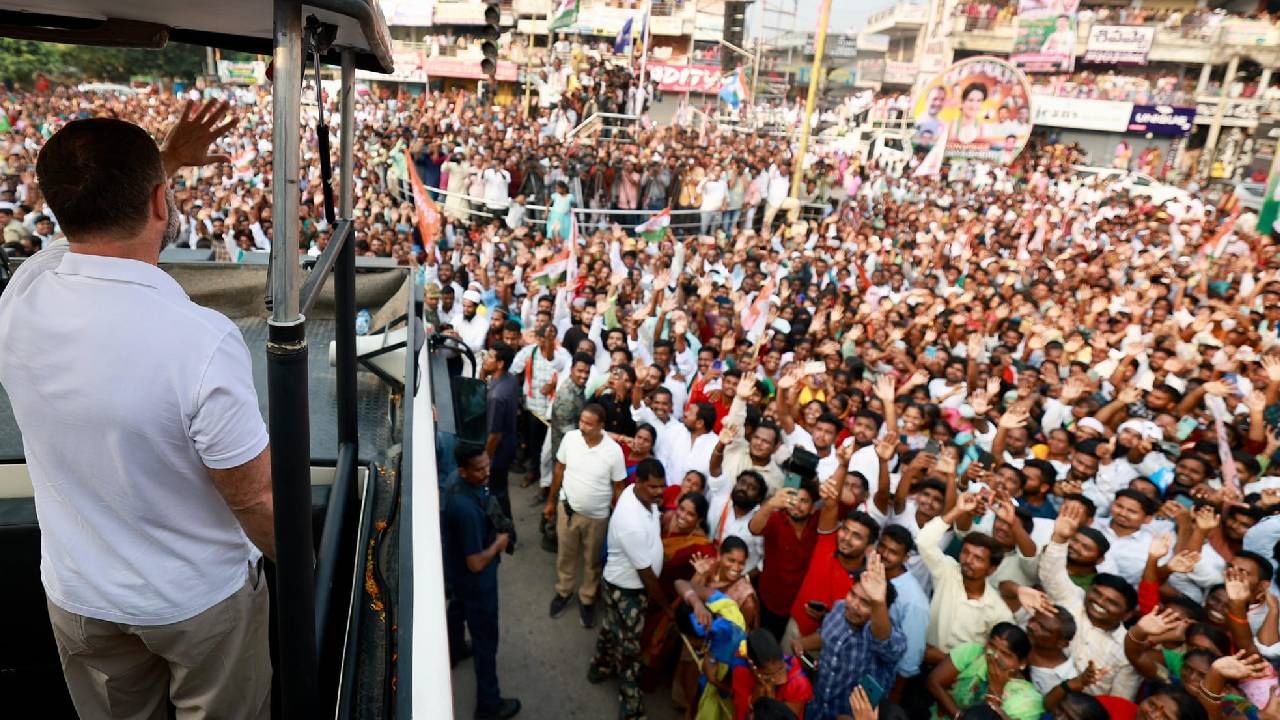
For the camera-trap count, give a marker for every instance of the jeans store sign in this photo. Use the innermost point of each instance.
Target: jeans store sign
(1162, 120)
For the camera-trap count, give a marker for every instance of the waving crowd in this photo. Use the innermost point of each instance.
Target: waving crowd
(995, 443)
(990, 443)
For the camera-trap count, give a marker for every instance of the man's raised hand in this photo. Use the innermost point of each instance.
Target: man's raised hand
(188, 142)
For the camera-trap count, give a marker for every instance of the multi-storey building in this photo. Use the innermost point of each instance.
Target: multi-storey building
(1191, 81)
(435, 45)
(787, 59)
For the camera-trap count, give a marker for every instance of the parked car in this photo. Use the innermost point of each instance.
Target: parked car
(1136, 184)
(1251, 195)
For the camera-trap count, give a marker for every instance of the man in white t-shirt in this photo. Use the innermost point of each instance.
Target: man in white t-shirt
(630, 584)
(588, 478)
(145, 445)
(714, 194)
(497, 182)
(950, 390)
(775, 193)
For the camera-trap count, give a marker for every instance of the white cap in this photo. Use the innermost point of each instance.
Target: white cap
(1270, 482)
(471, 296)
(1093, 424)
(1145, 428)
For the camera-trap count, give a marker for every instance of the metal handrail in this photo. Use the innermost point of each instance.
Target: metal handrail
(585, 125)
(600, 121)
(314, 283)
(535, 213)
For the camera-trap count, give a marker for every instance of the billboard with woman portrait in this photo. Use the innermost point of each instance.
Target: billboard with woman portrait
(979, 107)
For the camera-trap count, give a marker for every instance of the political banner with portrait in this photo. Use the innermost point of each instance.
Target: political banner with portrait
(979, 107)
(1046, 36)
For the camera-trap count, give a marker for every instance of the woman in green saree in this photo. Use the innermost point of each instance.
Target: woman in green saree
(991, 672)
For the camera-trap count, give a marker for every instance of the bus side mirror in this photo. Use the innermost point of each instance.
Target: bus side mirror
(470, 404)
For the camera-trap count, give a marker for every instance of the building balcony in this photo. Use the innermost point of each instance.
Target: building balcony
(467, 12)
(1239, 112)
(1186, 44)
(902, 18)
(661, 8)
(601, 20)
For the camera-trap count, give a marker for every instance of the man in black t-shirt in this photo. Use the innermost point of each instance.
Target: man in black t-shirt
(616, 404)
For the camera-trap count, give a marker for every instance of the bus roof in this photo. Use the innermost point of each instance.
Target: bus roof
(243, 25)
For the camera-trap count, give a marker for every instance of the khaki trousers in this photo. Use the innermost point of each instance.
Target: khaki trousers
(579, 541)
(214, 665)
(769, 212)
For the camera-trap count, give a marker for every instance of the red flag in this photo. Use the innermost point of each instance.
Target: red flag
(429, 220)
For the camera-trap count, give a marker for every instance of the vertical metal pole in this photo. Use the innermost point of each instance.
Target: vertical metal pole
(645, 31)
(755, 72)
(287, 388)
(1211, 142)
(285, 135)
(528, 72)
(819, 46)
(344, 276)
(693, 36)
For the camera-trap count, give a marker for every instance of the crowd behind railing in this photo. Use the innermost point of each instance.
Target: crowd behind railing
(1198, 23)
(480, 162)
(1151, 88)
(1140, 88)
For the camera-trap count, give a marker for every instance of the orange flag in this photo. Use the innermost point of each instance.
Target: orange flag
(429, 219)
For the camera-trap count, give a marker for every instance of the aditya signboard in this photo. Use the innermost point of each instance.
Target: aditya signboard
(685, 78)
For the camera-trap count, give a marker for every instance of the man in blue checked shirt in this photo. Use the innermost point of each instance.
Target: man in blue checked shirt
(859, 644)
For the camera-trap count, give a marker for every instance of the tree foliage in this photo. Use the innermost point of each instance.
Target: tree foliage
(20, 60)
(181, 62)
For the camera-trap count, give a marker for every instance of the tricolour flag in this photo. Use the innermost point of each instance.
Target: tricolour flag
(623, 40)
(733, 90)
(1217, 244)
(429, 219)
(553, 272)
(655, 228)
(931, 166)
(242, 163)
(571, 275)
(756, 314)
(563, 14)
(1270, 210)
(563, 267)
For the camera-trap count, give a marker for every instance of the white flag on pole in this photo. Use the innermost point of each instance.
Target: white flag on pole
(931, 166)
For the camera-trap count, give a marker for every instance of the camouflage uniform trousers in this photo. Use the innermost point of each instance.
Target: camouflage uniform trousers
(618, 646)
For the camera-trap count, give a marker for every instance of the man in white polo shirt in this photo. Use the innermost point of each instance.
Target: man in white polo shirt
(630, 584)
(588, 478)
(144, 443)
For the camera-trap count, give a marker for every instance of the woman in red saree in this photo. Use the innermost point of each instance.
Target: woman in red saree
(684, 536)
